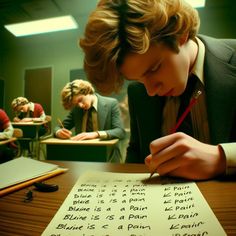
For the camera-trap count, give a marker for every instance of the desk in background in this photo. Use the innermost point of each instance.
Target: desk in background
(20, 218)
(87, 150)
(30, 133)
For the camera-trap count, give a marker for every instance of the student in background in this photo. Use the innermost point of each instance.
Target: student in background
(86, 107)
(27, 111)
(92, 115)
(155, 43)
(6, 132)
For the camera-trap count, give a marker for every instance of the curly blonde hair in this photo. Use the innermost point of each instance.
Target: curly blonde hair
(117, 27)
(19, 101)
(76, 87)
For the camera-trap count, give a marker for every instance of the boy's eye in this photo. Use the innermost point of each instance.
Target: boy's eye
(156, 67)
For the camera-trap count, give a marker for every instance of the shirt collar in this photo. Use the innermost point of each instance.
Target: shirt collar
(31, 106)
(199, 63)
(95, 102)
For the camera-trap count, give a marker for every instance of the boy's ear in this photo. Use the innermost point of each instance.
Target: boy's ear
(183, 39)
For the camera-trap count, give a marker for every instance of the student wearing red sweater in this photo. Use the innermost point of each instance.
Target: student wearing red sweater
(27, 111)
(6, 132)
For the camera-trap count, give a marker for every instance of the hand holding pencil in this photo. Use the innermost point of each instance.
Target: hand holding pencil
(63, 133)
(60, 123)
(173, 130)
(180, 155)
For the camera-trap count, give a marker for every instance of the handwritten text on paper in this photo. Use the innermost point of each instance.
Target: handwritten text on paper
(110, 204)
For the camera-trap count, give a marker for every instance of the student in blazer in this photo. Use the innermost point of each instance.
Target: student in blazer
(155, 43)
(220, 87)
(79, 96)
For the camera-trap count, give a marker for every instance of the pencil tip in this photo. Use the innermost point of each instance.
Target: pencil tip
(151, 175)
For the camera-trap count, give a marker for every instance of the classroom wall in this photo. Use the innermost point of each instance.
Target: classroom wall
(60, 51)
(57, 50)
(219, 22)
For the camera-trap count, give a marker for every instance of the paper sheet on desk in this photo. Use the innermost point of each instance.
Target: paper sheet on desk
(115, 204)
(21, 169)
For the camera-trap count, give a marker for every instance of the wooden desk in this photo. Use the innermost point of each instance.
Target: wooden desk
(30, 129)
(86, 150)
(30, 132)
(20, 218)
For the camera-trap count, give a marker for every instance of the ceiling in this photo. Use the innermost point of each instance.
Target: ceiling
(14, 11)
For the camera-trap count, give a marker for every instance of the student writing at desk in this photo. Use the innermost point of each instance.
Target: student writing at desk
(7, 152)
(155, 43)
(27, 111)
(92, 115)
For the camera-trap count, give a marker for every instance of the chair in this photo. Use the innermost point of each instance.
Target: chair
(48, 134)
(18, 133)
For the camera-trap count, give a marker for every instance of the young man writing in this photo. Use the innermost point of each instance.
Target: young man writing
(155, 43)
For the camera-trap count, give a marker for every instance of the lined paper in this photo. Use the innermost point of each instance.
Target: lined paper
(115, 204)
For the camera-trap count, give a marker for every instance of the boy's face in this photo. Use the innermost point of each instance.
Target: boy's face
(83, 101)
(22, 108)
(162, 71)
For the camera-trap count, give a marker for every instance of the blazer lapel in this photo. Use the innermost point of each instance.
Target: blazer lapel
(220, 94)
(102, 112)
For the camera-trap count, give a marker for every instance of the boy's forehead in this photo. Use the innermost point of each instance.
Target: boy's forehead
(135, 64)
(77, 97)
(19, 107)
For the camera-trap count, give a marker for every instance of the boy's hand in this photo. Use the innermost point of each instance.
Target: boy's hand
(183, 156)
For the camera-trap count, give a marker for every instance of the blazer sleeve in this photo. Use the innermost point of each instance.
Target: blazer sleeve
(114, 126)
(133, 150)
(68, 122)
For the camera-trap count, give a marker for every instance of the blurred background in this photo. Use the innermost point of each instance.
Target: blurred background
(39, 66)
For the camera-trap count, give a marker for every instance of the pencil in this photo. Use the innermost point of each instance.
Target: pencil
(181, 119)
(60, 123)
(189, 107)
(31, 181)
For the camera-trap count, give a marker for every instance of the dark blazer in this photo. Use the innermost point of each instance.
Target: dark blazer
(220, 88)
(109, 118)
